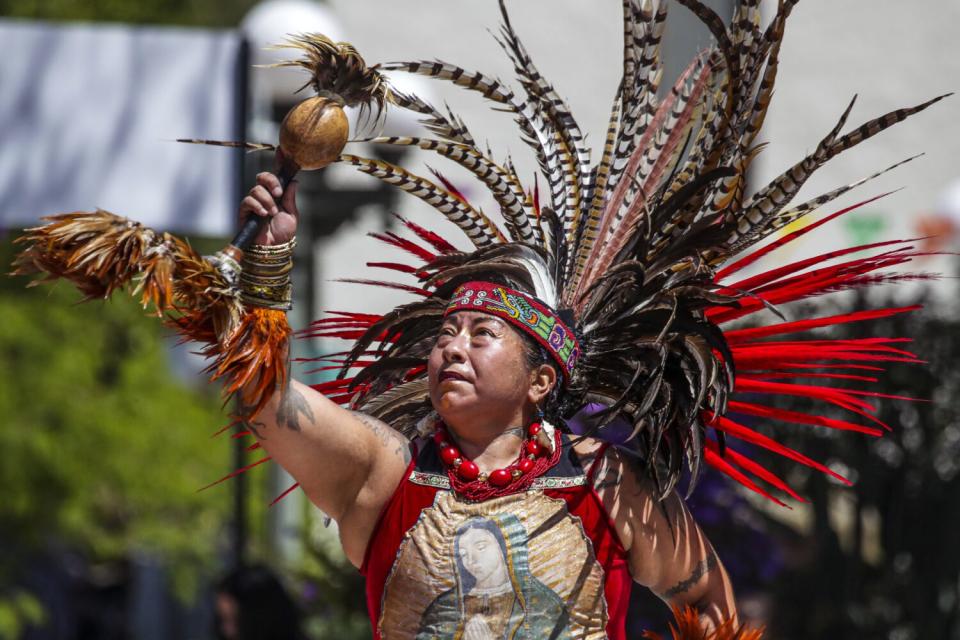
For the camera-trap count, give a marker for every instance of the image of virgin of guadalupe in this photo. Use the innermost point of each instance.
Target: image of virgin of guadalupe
(495, 596)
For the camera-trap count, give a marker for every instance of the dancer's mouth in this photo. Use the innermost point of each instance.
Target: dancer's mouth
(452, 375)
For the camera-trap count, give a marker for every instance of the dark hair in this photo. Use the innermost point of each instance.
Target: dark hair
(535, 356)
(265, 610)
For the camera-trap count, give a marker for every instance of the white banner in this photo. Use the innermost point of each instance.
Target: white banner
(88, 118)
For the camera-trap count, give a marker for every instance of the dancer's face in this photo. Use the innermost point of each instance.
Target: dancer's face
(479, 374)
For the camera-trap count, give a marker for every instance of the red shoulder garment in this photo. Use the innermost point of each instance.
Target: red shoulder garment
(528, 565)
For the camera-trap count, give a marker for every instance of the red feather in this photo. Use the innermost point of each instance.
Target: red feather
(753, 282)
(285, 493)
(409, 246)
(435, 240)
(785, 415)
(761, 472)
(714, 459)
(790, 237)
(746, 434)
(449, 186)
(235, 473)
(387, 285)
(743, 335)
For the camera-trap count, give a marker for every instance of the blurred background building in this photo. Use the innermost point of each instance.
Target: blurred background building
(107, 435)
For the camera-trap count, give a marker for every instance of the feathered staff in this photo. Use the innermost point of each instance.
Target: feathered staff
(101, 253)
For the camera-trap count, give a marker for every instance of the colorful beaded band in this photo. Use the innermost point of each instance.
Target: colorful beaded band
(524, 312)
(265, 275)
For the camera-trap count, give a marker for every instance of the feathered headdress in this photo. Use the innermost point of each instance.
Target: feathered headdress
(636, 250)
(640, 253)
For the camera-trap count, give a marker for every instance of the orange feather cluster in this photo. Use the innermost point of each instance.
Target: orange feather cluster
(688, 628)
(254, 357)
(101, 253)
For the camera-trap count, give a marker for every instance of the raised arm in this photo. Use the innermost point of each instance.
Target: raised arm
(347, 463)
(667, 551)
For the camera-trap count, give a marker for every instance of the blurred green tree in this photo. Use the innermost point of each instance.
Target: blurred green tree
(331, 589)
(104, 450)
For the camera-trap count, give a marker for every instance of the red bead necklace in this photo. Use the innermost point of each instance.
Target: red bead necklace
(467, 479)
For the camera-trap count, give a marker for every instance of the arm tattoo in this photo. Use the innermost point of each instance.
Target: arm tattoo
(703, 568)
(389, 438)
(292, 402)
(292, 405)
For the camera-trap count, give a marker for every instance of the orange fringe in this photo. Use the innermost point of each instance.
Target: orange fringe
(101, 253)
(688, 628)
(254, 358)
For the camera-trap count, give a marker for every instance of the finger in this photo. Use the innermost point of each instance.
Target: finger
(289, 202)
(271, 183)
(250, 205)
(266, 201)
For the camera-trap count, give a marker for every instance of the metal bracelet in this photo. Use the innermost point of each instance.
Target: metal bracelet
(265, 275)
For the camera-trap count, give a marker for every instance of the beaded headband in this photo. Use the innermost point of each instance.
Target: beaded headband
(524, 312)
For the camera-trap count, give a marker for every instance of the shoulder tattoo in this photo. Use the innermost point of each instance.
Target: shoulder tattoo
(293, 404)
(388, 437)
(611, 469)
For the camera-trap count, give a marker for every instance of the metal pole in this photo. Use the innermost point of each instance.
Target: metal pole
(240, 485)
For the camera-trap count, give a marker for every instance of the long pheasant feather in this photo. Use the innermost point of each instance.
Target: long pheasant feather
(478, 227)
(536, 132)
(503, 185)
(771, 199)
(570, 139)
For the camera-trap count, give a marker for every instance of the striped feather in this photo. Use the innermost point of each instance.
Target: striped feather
(504, 186)
(474, 224)
(536, 133)
(570, 140)
(718, 29)
(784, 218)
(770, 200)
(585, 242)
(249, 146)
(625, 208)
(666, 146)
(449, 128)
(699, 158)
(640, 108)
